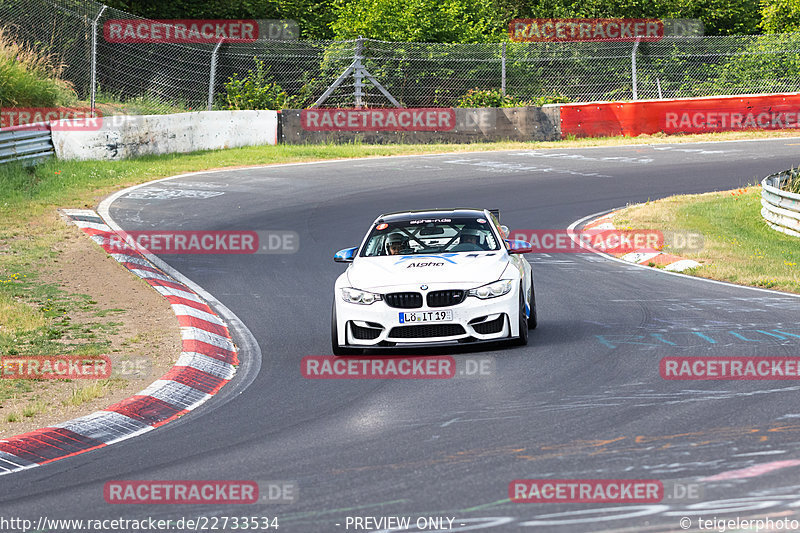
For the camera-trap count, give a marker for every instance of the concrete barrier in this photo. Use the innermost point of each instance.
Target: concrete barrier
(446, 125)
(124, 136)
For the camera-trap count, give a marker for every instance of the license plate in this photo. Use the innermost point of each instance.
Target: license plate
(426, 316)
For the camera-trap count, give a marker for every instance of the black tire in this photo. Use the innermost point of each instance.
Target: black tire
(522, 340)
(335, 348)
(532, 320)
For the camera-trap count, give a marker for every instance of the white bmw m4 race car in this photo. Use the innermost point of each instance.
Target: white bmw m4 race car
(433, 278)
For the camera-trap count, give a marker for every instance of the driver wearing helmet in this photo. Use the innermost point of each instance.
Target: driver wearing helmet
(395, 243)
(470, 236)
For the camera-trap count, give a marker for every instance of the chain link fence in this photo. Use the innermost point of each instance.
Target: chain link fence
(167, 77)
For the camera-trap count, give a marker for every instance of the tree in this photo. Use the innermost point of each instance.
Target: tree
(780, 16)
(720, 17)
(439, 21)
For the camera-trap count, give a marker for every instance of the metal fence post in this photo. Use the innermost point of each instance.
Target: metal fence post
(503, 68)
(212, 75)
(93, 74)
(358, 73)
(633, 70)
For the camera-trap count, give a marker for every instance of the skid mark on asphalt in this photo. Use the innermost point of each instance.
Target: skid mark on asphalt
(708, 337)
(646, 448)
(157, 193)
(698, 151)
(616, 160)
(505, 167)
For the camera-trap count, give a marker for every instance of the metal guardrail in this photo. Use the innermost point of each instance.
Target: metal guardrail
(781, 209)
(27, 145)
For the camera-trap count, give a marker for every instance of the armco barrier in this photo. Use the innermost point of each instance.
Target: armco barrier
(690, 115)
(781, 209)
(25, 143)
(123, 136)
(427, 125)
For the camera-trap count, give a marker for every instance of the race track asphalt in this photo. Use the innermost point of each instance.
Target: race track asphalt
(583, 400)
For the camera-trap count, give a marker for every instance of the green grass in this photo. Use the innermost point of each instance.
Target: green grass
(739, 246)
(13, 388)
(793, 183)
(109, 103)
(87, 393)
(34, 408)
(36, 318)
(29, 78)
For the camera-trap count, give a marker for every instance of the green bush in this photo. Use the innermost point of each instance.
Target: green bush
(495, 98)
(257, 90)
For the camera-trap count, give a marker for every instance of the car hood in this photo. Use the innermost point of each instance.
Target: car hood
(473, 269)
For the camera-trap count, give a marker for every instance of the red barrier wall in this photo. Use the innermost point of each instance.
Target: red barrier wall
(690, 115)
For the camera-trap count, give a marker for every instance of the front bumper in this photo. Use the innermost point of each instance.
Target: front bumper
(474, 320)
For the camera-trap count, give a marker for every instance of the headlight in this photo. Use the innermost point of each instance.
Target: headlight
(356, 296)
(492, 290)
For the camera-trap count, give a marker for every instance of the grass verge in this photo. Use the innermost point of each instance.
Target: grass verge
(739, 246)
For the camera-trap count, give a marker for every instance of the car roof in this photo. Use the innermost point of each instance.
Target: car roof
(458, 212)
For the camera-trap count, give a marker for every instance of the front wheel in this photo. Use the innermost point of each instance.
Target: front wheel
(522, 340)
(532, 321)
(335, 347)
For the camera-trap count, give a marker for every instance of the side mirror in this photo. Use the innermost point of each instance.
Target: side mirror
(505, 231)
(519, 247)
(346, 255)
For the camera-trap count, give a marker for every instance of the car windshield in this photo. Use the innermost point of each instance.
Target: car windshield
(430, 236)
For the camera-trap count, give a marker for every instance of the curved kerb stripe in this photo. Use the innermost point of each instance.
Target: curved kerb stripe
(670, 262)
(207, 362)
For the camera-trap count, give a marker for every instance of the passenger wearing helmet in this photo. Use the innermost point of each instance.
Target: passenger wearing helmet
(395, 243)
